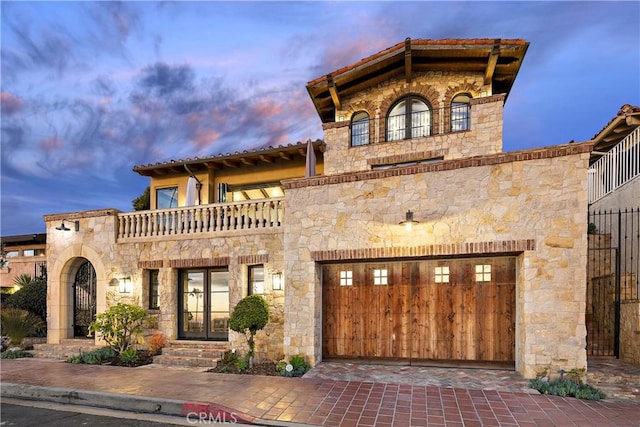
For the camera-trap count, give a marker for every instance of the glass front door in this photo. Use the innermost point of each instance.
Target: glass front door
(204, 304)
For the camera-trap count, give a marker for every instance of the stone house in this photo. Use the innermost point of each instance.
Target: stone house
(416, 240)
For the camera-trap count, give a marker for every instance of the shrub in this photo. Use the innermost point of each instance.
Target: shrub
(17, 324)
(120, 326)
(94, 357)
(32, 296)
(15, 354)
(296, 367)
(565, 387)
(157, 342)
(249, 316)
(129, 355)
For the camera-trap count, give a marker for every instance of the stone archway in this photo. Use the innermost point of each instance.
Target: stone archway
(61, 297)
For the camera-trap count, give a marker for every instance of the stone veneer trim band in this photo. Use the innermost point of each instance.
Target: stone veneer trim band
(199, 262)
(449, 249)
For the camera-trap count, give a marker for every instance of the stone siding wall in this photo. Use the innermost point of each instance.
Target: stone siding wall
(113, 260)
(483, 137)
(538, 196)
(630, 331)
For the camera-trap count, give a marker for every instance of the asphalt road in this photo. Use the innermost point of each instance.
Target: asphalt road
(23, 413)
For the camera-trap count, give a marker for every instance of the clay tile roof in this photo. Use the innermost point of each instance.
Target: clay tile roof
(625, 122)
(246, 157)
(498, 59)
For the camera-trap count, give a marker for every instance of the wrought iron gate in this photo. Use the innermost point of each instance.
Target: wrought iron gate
(84, 301)
(612, 276)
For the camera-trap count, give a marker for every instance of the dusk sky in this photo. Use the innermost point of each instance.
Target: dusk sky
(91, 89)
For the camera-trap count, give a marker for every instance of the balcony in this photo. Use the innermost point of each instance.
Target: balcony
(618, 166)
(201, 220)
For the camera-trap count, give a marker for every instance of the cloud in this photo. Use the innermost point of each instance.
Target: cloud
(10, 103)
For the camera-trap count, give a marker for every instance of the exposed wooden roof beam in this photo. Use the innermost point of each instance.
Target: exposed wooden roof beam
(284, 155)
(266, 159)
(302, 152)
(212, 165)
(230, 163)
(334, 92)
(493, 60)
(248, 162)
(408, 72)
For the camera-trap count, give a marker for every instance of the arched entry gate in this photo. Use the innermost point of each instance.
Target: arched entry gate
(84, 299)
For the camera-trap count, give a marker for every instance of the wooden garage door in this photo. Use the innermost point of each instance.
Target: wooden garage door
(459, 309)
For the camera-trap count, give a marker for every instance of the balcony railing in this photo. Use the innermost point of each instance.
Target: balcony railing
(620, 165)
(192, 220)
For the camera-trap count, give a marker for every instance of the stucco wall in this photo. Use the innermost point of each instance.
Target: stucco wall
(542, 197)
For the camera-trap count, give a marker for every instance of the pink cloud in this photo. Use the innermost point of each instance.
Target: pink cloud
(11, 104)
(202, 138)
(267, 108)
(51, 143)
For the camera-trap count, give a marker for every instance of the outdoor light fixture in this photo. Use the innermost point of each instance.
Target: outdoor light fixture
(63, 227)
(125, 285)
(408, 222)
(276, 282)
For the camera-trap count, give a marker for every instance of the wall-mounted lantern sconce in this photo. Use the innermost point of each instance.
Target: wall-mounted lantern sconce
(277, 282)
(409, 222)
(125, 285)
(63, 227)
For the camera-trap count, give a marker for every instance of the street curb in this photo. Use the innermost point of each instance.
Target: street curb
(123, 402)
(126, 402)
(210, 412)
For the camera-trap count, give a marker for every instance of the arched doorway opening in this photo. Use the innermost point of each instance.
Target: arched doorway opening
(84, 299)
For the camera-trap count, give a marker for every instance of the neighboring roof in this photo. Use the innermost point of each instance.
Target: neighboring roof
(246, 157)
(625, 122)
(499, 60)
(23, 239)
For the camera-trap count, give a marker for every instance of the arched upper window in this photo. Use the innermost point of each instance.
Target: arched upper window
(360, 129)
(460, 112)
(408, 118)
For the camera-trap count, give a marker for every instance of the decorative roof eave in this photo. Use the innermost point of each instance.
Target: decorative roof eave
(625, 122)
(498, 60)
(230, 160)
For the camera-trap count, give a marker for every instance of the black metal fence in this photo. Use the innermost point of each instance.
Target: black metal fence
(612, 275)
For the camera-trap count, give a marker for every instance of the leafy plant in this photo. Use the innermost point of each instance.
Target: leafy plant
(296, 367)
(250, 315)
(94, 357)
(566, 387)
(143, 201)
(32, 297)
(120, 326)
(17, 324)
(156, 343)
(129, 355)
(15, 354)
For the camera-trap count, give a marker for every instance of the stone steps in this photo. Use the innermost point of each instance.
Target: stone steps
(62, 351)
(202, 354)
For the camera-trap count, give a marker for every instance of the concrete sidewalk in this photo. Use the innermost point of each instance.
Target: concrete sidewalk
(299, 401)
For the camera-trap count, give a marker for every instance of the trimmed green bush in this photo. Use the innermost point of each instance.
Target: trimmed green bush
(250, 316)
